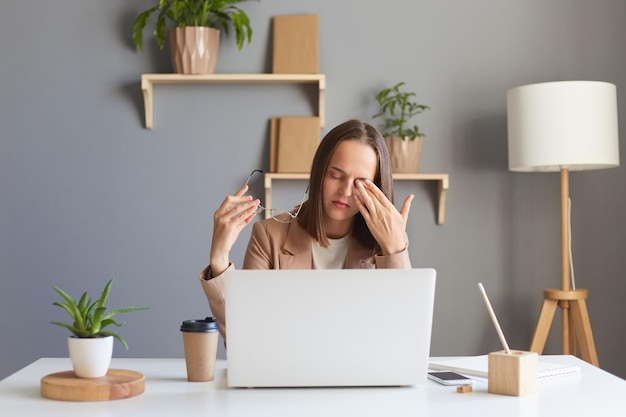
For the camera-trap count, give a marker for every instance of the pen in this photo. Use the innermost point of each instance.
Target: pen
(494, 319)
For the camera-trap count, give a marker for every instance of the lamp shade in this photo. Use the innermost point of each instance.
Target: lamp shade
(563, 124)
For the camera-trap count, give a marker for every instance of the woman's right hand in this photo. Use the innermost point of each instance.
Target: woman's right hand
(235, 213)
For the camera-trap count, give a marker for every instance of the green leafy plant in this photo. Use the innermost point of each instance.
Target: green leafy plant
(91, 317)
(218, 14)
(397, 108)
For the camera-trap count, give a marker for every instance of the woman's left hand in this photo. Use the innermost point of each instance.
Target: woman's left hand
(386, 223)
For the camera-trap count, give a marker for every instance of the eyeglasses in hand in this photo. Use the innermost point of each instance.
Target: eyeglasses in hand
(281, 216)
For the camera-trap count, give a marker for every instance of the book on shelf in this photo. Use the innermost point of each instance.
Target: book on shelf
(477, 366)
(293, 143)
(296, 44)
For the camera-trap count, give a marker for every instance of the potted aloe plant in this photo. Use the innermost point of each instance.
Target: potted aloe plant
(91, 346)
(397, 108)
(194, 37)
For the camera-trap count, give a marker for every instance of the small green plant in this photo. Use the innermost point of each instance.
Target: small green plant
(91, 317)
(218, 14)
(397, 108)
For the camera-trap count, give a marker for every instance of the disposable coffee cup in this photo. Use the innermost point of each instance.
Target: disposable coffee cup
(200, 343)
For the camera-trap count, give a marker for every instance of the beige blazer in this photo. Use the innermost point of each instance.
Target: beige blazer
(275, 245)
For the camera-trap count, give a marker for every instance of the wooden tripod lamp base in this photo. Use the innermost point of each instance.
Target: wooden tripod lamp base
(576, 324)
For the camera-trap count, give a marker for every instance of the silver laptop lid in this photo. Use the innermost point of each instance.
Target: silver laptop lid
(351, 327)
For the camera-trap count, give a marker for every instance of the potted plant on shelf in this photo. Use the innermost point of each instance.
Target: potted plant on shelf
(397, 108)
(91, 346)
(194, 39)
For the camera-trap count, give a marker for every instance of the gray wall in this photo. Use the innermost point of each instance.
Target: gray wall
(86, 193)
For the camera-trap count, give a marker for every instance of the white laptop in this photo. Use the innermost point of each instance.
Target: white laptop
(312, 328)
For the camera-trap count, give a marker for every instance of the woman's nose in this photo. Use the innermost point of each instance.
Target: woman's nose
(347, 188)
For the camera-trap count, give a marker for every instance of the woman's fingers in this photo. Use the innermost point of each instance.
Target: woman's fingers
(386, 223)
(242, 190)
(233, 201)
(372, 197)
(406, 207)
(234, 209)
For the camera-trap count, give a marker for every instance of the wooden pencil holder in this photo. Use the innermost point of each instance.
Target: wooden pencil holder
(512, 374)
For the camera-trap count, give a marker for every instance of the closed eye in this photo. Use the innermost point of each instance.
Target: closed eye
(335, 173)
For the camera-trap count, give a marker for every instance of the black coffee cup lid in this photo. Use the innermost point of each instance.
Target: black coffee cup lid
(209, 324)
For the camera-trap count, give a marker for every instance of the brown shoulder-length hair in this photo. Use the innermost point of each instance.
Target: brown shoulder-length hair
(310, 217)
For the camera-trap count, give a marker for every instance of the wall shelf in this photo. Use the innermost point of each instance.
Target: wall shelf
(443, 181)
(149, 80)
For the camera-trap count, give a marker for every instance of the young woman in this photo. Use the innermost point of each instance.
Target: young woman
(348, 221)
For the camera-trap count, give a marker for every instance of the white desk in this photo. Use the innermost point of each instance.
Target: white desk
(593, 393)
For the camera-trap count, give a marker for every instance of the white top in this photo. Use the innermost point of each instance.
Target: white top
(593, 393)
(332, 257)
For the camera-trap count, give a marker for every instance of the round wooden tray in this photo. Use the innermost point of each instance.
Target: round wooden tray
(115, 385)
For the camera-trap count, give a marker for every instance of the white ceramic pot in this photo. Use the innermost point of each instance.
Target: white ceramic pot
(90, 357)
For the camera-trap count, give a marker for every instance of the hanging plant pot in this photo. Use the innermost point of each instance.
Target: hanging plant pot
(194, 49)
(405, 154)
(91, 356)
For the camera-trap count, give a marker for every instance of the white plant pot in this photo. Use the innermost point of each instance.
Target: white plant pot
(90, 357)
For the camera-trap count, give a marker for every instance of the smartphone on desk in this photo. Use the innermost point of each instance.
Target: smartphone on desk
(450, 378)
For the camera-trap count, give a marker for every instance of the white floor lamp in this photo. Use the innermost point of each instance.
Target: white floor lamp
(560, 127)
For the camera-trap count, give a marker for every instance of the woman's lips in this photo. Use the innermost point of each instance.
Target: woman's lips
(340, 204)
